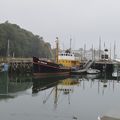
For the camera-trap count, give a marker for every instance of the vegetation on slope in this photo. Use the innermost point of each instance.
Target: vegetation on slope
(22, 43)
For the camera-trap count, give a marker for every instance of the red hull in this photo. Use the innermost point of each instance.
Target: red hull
(46, 69)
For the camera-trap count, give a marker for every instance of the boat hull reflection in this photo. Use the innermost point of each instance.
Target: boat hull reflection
(40, 84)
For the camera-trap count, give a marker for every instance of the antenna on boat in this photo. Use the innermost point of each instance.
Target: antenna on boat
(57, 49)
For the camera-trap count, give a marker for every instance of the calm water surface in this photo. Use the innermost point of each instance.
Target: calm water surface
(78, 97)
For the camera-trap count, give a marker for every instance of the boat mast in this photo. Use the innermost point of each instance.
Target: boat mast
(110, 51)
(114, 49)
(84, 50)
(70, 43)
(99, 47)
(57, 49)
(92, 52)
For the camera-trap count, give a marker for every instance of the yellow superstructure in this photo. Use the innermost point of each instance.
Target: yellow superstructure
(68, 59)
(69, 81)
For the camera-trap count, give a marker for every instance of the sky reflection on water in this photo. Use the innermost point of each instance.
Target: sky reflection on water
(78, 97)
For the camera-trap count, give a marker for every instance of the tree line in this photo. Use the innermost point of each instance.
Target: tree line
(22, 43)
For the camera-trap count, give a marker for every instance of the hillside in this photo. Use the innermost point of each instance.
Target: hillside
(22, 43)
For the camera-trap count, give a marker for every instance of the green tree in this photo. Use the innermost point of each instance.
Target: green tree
(23, 43)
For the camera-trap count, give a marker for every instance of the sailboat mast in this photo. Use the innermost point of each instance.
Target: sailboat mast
(84, 50)
(114, 49)
(57, 49)
(110, 51)
(70, 44)
(99, 48)
(92, 51)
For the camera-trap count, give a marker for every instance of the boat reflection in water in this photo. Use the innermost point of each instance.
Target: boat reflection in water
(40, 84)
(92, 76)
(57, 86)
(11, 85)
(81, 97)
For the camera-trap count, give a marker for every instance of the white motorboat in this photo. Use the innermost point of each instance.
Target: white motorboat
(110, 115)
(116, 74)
(92, 76)
(93, 71)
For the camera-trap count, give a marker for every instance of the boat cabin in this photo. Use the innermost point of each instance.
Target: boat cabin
(68, 59)
(105, 55)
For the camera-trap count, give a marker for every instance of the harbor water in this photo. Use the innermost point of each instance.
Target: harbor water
(83, 97)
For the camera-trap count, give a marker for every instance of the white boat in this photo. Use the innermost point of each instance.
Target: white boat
(110, 115)
(108, 118)
(92, 76)
(93, 71)
(116, 74)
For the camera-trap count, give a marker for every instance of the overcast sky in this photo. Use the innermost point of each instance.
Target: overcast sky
(82, 20)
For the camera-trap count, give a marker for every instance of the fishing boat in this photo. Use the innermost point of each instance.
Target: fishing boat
(44, 68)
